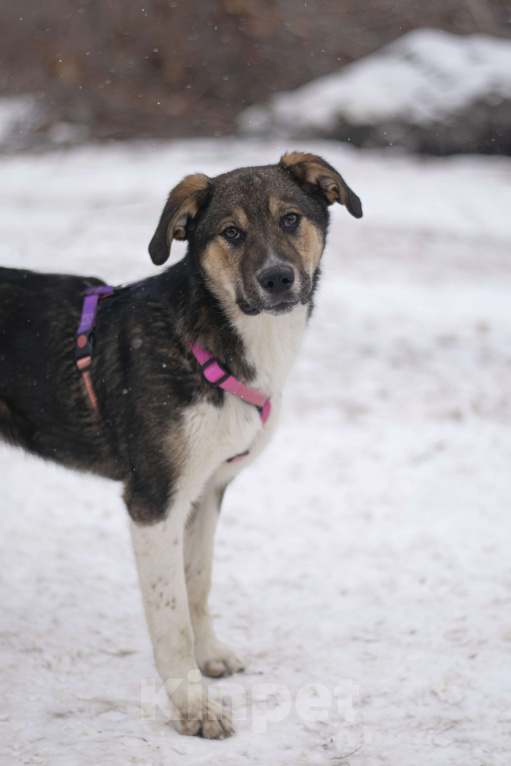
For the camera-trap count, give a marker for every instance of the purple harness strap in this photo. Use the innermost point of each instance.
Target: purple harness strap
(83, 348)
(215, 374)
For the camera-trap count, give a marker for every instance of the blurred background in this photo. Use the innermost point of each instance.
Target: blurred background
(79, 70)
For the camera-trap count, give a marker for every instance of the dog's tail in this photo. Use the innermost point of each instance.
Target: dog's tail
(13, 427)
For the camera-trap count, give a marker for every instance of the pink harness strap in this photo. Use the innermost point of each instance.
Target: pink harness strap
(216, 376)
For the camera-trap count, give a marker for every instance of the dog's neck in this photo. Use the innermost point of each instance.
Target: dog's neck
(259, 350)
(270, 344)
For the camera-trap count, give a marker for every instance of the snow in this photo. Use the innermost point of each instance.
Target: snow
(366, 551)
(19, 115)
(420, 78)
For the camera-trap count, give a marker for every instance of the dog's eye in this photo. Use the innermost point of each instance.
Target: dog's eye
(232, 233)
(290, 221)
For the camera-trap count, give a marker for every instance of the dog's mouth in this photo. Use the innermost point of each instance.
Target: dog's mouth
(256, 307)
(283, 308)
(247, 309)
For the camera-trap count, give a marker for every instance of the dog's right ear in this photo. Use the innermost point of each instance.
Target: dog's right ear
(182, 206)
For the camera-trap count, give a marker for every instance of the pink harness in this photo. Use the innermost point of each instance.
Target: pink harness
(211, 369)
(216, 376)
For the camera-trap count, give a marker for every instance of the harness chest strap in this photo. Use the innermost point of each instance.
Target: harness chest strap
(216, 376)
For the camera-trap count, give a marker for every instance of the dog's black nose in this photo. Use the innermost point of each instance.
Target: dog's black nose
(277, 280)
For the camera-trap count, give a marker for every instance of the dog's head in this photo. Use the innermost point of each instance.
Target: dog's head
(256, 235)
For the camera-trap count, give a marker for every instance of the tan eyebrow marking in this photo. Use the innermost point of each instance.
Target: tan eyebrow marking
(279, 207)
(237, 217)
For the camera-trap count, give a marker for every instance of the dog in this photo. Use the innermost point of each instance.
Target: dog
(174, 384)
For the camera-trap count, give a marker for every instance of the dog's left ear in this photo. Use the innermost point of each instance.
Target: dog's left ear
(182, 206)
(311, 169)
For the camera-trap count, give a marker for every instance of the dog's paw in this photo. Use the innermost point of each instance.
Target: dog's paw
(216, 660)
(204, 717)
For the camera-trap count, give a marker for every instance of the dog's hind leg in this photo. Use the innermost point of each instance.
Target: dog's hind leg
(159, 553)
(212, 656)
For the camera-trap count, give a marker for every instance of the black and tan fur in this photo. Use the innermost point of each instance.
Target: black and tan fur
(243, 291)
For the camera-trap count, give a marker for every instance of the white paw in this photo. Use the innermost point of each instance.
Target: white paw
(203, 717)
(215, 659)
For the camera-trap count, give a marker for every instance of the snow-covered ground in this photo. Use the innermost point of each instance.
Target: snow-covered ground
(366, 551)
(422, 78)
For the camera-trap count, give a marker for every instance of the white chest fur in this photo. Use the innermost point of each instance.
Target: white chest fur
(271, 344)
(215, 434)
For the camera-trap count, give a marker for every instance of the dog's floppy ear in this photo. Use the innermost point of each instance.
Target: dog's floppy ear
(182, 205)
(311, 169)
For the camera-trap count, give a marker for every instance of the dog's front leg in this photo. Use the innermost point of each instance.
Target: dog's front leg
(159, 553)
(213, 657)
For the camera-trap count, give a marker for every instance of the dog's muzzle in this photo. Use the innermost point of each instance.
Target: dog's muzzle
(277, 289)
